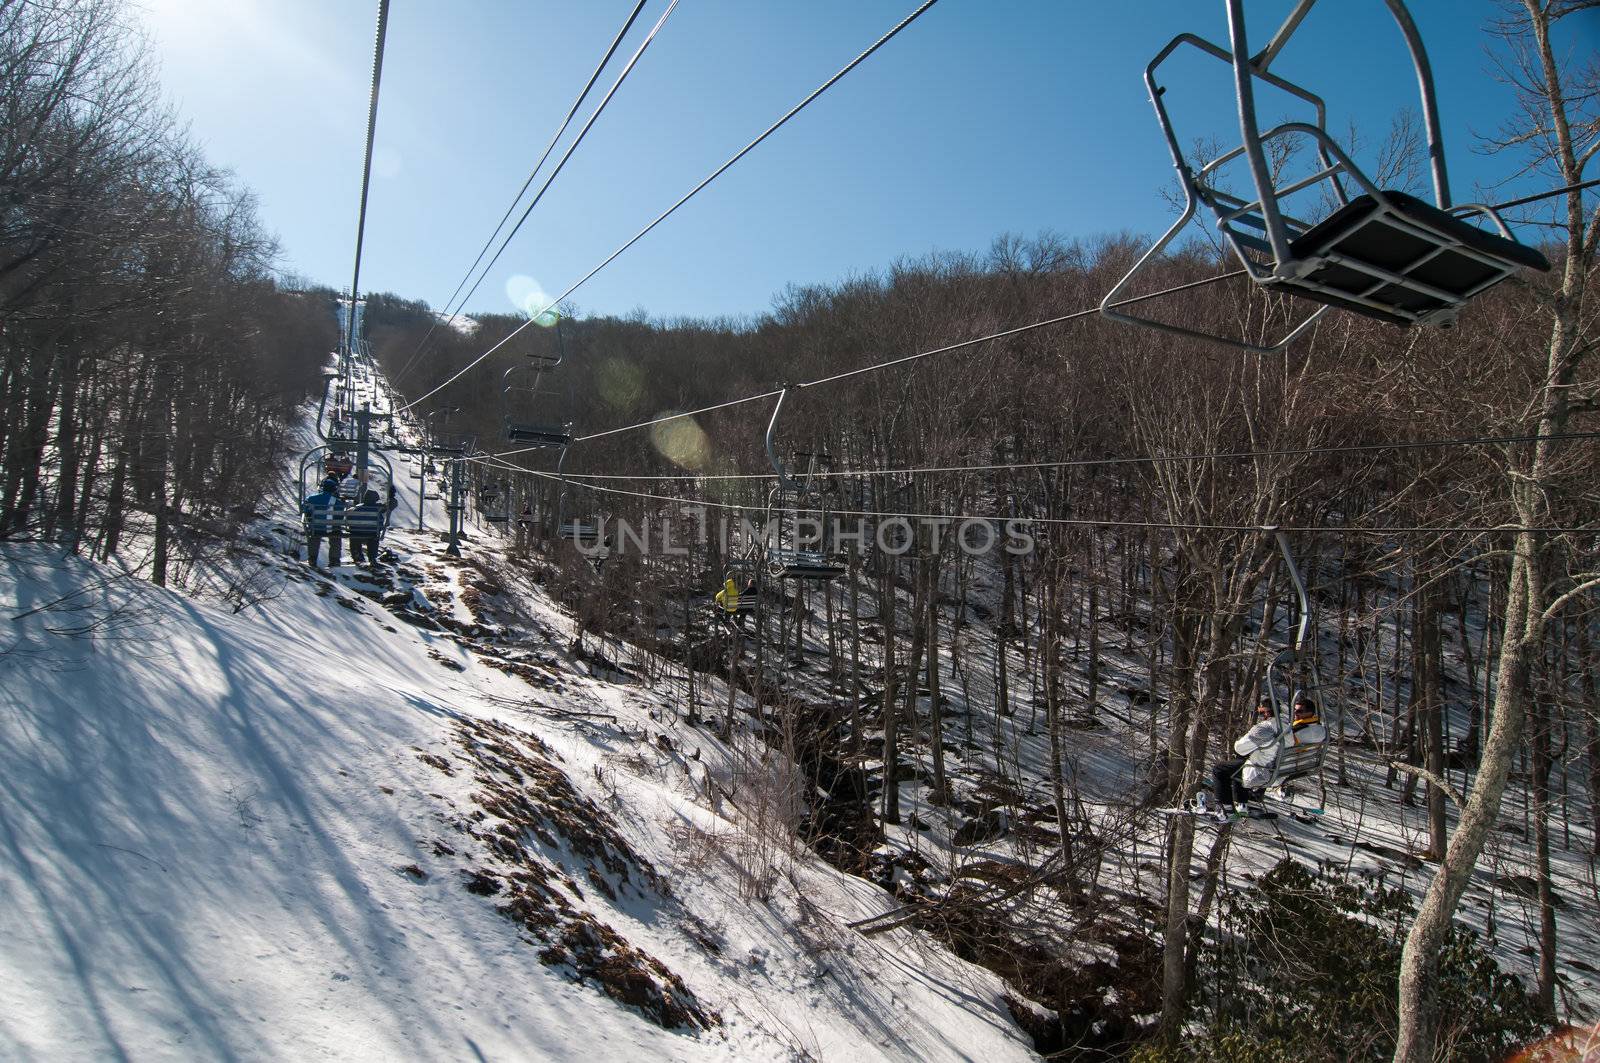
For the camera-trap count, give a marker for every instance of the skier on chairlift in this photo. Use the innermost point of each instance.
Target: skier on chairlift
(370, 516)
(322, 512)
(726, 601)
(1239, 786)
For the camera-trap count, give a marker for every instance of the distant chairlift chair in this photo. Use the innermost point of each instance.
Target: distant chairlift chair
(524, 429)
(521, 428)
(494, 505)
(788, 500)
(585, 534)
(1297, 760)
(1383, 254)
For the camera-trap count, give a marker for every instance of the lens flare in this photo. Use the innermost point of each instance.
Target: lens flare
(683, 443)
(527, 295)
(620, 384)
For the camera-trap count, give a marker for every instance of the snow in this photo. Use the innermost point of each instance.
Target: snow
(463, 324)
(222, 840)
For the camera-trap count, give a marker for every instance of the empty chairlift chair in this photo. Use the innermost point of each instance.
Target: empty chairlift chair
(521, 426)
(519, 395)
(1382, 253)
(789, 557)
(494, 504)
(584, 532)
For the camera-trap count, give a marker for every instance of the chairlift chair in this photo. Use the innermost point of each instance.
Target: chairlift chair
(741, 571)
(586, 534)
(347, 521)
(786, 559)
(1294, 760)
(1383, 254)
(522, 429)
(494, 505)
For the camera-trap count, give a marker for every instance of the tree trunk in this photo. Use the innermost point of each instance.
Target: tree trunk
(891, 729)
(1541, 839)
(941, 792)
(1175, 935)
(1420, 956)
(1432, 705)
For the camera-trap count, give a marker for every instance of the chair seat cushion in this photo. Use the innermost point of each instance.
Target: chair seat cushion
(524, 433)
(1365, 232)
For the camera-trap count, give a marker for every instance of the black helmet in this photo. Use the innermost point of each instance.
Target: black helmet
(371, 498)
(330, 484)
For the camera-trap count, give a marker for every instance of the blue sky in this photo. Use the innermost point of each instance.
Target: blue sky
(984, 117)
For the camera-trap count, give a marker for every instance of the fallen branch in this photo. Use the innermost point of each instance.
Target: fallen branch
(1430, 778)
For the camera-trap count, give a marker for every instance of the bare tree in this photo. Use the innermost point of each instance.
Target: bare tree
(1560, 128)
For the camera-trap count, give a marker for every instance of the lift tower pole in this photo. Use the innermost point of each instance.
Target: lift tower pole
(457, 505)
(423, 463)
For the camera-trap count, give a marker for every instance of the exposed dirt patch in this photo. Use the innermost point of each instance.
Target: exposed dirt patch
(544, 845)
(454, 666)
(530, 674)
(438, 763)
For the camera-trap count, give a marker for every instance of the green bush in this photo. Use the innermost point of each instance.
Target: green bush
(1305, 968)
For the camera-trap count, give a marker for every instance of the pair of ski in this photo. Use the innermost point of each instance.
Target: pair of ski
(1206, 811)
(1221, 817)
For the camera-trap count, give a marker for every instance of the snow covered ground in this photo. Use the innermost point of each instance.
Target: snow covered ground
(277, 833)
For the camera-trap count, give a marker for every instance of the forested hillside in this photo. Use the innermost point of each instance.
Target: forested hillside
(150, 362)
(1437, 485)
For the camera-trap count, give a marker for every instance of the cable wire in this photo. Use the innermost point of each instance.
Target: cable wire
(1080, 522)
(1072, 463)
(366, 168)
(718, 172)
(1003, 334)
(1537, 196)
(616, 42)
(560, 165)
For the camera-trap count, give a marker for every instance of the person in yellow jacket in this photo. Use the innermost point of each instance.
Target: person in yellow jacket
(727, 598)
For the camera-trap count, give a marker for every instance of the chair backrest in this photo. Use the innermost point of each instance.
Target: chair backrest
(579, 531)
(1298, 761)
(323, 518)
(537, 434)
(804, 564)
(363, 523)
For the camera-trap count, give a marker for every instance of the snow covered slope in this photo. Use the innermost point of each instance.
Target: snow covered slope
(312, 830)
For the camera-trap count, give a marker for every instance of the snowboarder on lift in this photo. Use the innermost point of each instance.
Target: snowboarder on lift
(525, 527)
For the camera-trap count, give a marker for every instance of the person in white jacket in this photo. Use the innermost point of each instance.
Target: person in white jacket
(1237, 782)
(1226, 783)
